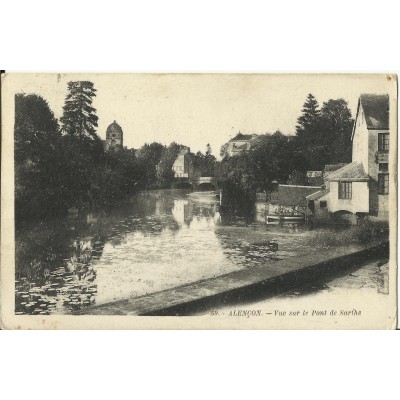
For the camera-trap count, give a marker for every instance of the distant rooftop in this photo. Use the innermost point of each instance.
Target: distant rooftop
(376, 110)
(241, 136)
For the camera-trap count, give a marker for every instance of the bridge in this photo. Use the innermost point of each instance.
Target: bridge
(200, 183)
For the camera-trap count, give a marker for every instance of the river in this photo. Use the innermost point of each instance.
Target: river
(158, 240)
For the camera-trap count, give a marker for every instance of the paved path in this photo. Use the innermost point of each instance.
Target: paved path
(250, 284)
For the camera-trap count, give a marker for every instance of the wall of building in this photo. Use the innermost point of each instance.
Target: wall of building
(373, 164)
(378, 203)
(234, 148)
(360, 151)
(322, 213)
(181, 170)
(184, 167)
(114, 142)
(365, 150)
(383, 206)
(359, 203)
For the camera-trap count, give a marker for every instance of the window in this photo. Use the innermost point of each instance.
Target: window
(383, 167)
(322, 204)
(345, 190)
(383, 183)
(383, 142)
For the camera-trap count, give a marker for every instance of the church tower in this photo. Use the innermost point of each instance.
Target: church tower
(114, 136)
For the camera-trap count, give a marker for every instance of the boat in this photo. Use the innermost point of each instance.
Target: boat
(285, 217)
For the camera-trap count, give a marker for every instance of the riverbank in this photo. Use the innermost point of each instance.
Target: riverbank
(256, 283)
(348, 289)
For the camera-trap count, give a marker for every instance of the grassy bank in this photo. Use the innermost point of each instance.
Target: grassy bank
(363, 233)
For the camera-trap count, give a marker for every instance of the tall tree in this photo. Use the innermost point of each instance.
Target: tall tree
(82, 147)
(208, 150)
(337, 125)
(308, 123)
(79, 117)
(206, 162)
(309, 136)
(164, 172)
(38, 158)
(149, 155)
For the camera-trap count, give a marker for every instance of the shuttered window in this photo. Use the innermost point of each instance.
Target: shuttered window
(345, 190)
(383, 183)
(383, 142)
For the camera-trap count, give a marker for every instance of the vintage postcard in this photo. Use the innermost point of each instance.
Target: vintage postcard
(198, 201)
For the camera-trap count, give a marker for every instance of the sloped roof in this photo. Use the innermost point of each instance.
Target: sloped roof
(333, 167)
(350, 172)
(376, 110)
(241, 136)
(240, 146)
(293, 195)
(318, 195)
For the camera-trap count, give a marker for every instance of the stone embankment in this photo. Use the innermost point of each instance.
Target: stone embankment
(247, 285)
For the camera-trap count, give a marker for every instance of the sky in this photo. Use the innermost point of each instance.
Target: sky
(196, 109)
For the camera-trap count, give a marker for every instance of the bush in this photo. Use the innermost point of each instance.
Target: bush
(364, 232)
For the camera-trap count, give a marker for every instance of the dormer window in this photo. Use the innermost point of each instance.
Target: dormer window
(383, 142)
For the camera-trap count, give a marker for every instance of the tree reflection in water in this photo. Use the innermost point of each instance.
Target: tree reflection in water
(155, 242)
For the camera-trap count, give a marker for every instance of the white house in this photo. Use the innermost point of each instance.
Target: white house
(361, 187)
(240, 143)
(184, 165)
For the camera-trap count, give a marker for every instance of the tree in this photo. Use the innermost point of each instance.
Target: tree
(308, 123)
(120, 177)
(310, 142)
(271, 158)
(79, 117)
(38, 158)
(83, 150)
(324, 136)
(164, 172)
(149, 155)
(224, 150)
(337, 125)
(210, 161)
(206, 162)
(208, 150)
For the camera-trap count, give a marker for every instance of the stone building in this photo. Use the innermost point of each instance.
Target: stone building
(114, 137)
(361, 187)
(185, 165)
(240, 143)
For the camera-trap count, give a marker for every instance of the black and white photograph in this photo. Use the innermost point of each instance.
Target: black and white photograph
(249, 201)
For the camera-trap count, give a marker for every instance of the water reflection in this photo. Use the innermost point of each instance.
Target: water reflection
(156, 241)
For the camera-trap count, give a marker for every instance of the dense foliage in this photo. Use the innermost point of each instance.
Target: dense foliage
(38, 157)
(206, 162)
(271, 159)
(57, 168)
(323, 136)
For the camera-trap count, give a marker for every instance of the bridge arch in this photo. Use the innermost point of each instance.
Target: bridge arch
(182, 185)
(205, 183)
(206, 186)
(344, 217)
